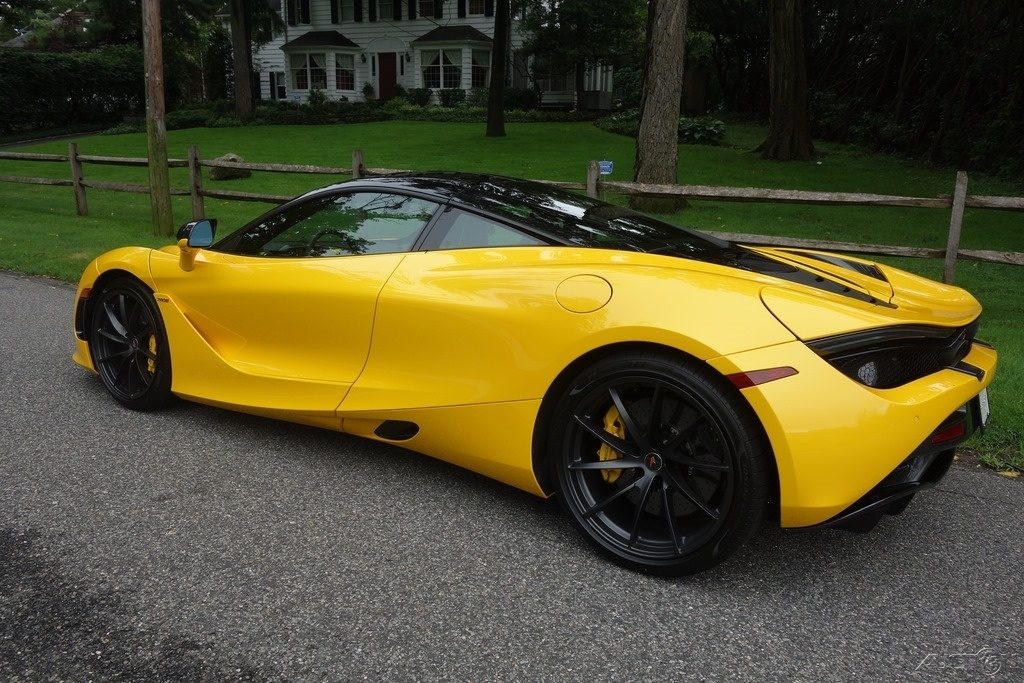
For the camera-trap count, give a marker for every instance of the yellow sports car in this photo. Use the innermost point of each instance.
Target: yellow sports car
(672, 389)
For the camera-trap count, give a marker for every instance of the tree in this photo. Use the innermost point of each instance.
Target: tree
(241, 58)
(789, 130)
(499, 57)
(571, 34)
(657, 148)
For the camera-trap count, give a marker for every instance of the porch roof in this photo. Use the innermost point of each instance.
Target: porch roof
(319, 39)
(454, 34)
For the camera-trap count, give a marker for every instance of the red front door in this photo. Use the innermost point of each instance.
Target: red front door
(388, 75)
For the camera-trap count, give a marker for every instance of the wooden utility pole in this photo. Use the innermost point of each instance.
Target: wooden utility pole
(156, 127)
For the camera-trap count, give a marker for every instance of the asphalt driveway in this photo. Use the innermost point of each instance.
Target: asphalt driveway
(197, 544)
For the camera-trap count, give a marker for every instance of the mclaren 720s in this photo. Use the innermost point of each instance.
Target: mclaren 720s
(673, 390)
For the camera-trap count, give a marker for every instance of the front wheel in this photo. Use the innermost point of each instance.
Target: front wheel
(129, 346)
(658, 463)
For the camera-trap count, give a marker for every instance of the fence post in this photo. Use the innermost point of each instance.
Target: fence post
(81, 205)
(195, 177)
(593, 176)
(956, 222)
(358, 170)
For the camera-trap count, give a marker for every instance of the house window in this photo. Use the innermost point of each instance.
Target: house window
(278, 87)
(481, 68)
(426, 8)
(442, 68)
(477, 6)
(347, 10)
(345, 72)
(385, 10)
(298, 12)
(309, 71)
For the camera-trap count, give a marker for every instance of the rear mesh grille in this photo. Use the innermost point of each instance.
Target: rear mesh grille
(893, 356)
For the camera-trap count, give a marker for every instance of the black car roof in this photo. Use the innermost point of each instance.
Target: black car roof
(443, 185)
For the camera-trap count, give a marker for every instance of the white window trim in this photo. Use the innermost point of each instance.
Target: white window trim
(309, 73)
(466, 64)
(333, 75)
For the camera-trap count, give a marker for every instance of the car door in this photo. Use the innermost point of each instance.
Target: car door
(452, 320)
(286, 305)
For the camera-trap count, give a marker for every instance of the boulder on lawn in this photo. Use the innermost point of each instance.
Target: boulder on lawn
(219, 173)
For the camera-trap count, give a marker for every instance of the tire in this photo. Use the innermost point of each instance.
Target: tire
(128, 344)
(669, 496)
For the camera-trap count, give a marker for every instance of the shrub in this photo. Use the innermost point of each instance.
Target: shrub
(400, 91)
(451, 97)
(190, 118)
(368, 92)
(318, 101)
(477, 97)
(626, 122)
(419, 96)
(700, 130)
(395, 104)
(521, 98)
(47, 89)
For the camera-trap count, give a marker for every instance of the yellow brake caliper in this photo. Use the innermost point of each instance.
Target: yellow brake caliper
(612, 425)
(151, 364)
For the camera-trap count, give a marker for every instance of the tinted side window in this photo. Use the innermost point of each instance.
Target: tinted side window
(464, 230)
(338, 225)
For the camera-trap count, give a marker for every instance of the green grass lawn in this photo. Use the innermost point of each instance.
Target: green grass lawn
(40, 233)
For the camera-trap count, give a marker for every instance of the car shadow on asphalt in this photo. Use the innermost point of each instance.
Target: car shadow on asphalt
(786, 556)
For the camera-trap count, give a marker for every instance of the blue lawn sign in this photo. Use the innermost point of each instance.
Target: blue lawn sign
(606, 167)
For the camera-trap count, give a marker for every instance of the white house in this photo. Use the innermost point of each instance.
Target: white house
(339, 46)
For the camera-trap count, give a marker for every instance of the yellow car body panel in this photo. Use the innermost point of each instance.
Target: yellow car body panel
(834, 439)
(467, 343)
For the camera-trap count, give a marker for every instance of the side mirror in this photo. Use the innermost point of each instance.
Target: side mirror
(198, 234)
(192, 237)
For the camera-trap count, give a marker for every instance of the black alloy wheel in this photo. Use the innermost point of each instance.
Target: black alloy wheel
(129, 345)
(659, 464)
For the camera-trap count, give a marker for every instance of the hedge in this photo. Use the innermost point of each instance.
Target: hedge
(47, 89)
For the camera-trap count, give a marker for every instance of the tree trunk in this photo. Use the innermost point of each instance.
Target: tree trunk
(499, 57)
(789, 132)
(657, 146)
(241, 58)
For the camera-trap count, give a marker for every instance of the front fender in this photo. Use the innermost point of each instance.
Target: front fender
(132, 261)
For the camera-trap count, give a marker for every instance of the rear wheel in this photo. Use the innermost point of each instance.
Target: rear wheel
(129, 346)
(658, 463)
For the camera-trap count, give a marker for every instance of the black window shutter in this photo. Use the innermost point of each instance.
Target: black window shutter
(292, 19)
(373, 10)
(412, 9)
(304, 12)
(462, 8)
(357, 9)
(438, 7)
(396, 12)
(334, 11)
(489, 8)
